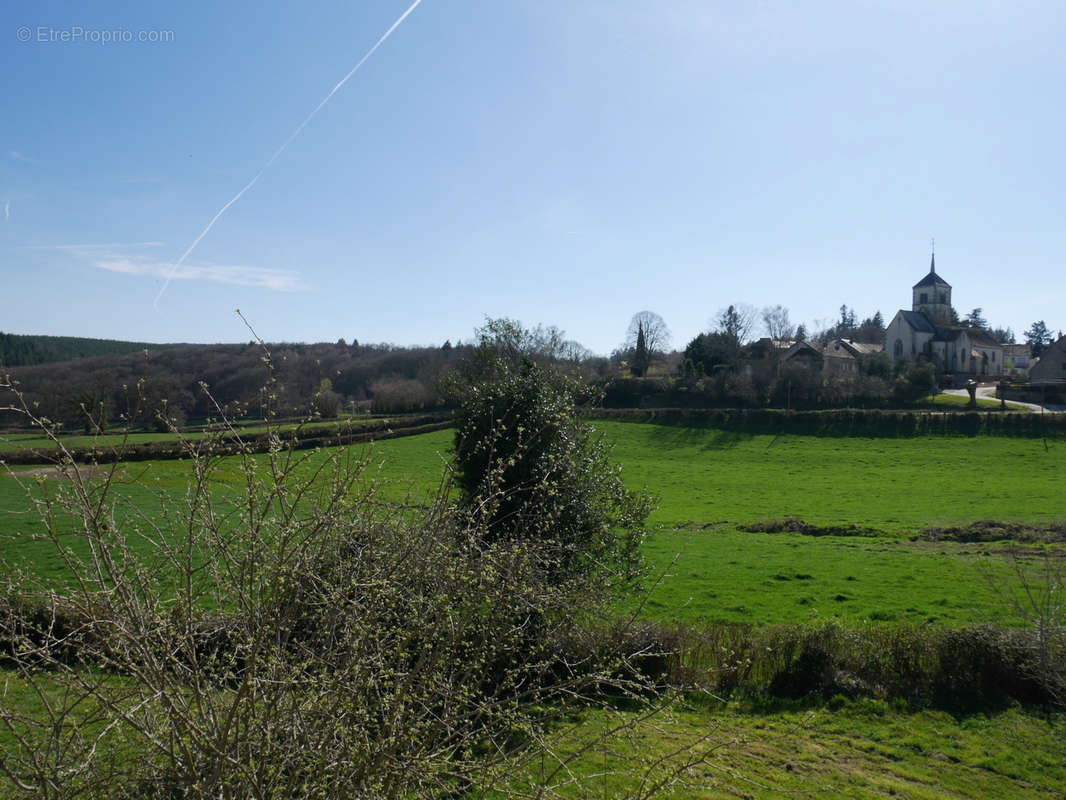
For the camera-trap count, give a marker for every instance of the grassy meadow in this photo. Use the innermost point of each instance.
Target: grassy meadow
(708, 483)
(843, 750)
(880, 493)
(13, 442)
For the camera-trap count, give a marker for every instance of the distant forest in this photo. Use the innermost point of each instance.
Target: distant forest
(324, 378)
(18, 350)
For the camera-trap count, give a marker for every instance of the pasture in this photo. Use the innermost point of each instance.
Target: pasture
(703, 566)
(871, 497)
(845, 749)
(708, 482)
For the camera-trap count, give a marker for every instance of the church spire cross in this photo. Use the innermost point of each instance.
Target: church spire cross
(932, 258)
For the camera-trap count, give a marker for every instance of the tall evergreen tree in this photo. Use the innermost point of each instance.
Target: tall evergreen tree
(640, 353)
(1038, 337)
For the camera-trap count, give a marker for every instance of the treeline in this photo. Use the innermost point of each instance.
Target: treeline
(193, 382)
(18, 350)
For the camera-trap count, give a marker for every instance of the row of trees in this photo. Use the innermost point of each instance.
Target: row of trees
(323, 378)
(19, 350)
(648, 337)
(329, 379)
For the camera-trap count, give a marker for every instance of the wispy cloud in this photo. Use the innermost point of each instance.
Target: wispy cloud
(82, 249)
(277, 279)
(25, 159)
(129, 258)
(7, 210)
(181, 261)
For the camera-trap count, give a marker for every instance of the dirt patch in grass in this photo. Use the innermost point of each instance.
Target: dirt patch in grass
(990, 530)
(796, 525)
(58, 473)
(985, 530)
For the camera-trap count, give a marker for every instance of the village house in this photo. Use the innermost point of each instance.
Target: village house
(927, 333)
(805, 354)
(1017, 358)
(845, 356)
(1051, 367)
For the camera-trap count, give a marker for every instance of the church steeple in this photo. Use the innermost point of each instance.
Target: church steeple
(932, 295)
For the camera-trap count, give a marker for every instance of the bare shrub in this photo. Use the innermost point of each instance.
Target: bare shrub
(1037, 597)
(398, 395)
(277, 631)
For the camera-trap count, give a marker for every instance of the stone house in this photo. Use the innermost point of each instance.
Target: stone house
(845, 357)
(1051, 367)
(805, 354)
(1017, 358)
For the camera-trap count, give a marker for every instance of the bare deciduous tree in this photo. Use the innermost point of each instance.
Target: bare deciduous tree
(736, 323)
(777, 324)
(656, 334)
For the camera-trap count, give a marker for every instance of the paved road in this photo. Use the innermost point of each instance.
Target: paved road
(987, 391)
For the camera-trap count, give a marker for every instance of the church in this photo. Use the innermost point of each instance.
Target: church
(930, 332)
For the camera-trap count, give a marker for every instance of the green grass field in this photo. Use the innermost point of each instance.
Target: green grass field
(709, 482)
(704, 567)
(861, 749)
(34, 441)
(956, 401)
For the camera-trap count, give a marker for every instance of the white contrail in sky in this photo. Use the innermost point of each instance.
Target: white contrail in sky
(281, 149)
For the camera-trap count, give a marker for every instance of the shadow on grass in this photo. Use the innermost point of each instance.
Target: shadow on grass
(763, 704)
(707, 437)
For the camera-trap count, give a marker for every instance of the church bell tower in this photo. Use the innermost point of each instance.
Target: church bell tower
(932, 296)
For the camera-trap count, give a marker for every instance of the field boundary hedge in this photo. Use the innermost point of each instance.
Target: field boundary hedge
(849, 422)
(227, 444)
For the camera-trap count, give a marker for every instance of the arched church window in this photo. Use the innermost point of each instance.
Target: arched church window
(898, 348)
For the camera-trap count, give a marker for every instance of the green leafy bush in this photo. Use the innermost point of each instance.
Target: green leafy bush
(528, 468)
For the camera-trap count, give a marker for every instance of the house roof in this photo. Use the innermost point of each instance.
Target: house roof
(847, 348)
(932, 279)
(864, 348)
(981, 338)
(838, 348)
(977, 337)
(1015, 350)
(947, 334)
(918, 321)
(805, 348)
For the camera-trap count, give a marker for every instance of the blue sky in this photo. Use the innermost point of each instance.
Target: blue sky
(568, 163)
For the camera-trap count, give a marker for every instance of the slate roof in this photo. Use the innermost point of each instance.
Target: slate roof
(918, 321)
(865, 348)
(809, 348)
(977, 337)
(947, 334)
(844, 348)
(932, 279)
(981, 338)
